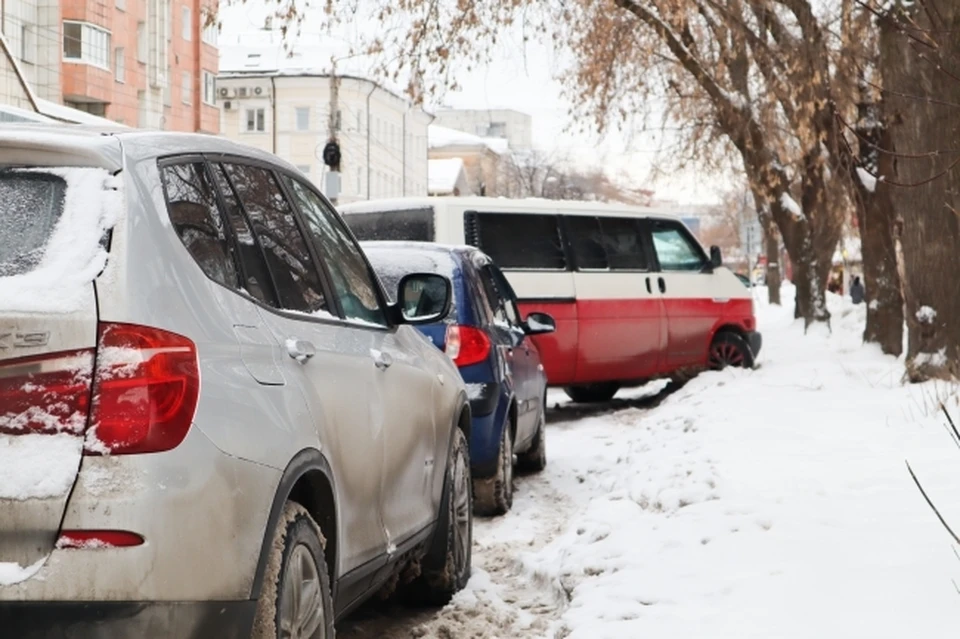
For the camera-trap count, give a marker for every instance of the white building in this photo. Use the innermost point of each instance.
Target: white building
(447, 177)
(513, 125)
(282, 104)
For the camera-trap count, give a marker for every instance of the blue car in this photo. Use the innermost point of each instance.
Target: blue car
(489, 342)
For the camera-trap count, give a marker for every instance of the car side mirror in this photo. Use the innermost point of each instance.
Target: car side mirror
(539, 323)
(423, 298)
(716, 259)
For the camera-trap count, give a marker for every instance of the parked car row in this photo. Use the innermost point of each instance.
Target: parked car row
(226, 416)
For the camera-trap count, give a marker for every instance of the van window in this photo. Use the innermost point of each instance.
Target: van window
(415, 225)
(676, 251)
(606, 243)
(192, 205)
(516, 240)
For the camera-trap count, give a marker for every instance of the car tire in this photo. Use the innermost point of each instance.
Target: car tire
(592, 393)
(447, 565)
(729, 349)
(494, 495)
(296, 599)
(535, 459)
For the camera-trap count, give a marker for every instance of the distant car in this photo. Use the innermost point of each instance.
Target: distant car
(489, 342)
(212, 421)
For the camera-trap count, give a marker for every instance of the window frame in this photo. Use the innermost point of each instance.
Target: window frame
(651, 224)
(246, 121)
(385, 305)
(120, 64)
(642, 233)
(186, 23)
(297, 112)
(87, 59)
(186, 88)
(206, 76)
(568, 264)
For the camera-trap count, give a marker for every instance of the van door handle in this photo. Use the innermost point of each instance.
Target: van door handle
(300, 349)
(649, 289)
(662, 285)
(382, 360)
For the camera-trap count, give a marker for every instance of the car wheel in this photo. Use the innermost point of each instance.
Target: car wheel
(494, 495)
(446, 568)
(295, 602)
(729, 349)
(592, 393)
(535, 459)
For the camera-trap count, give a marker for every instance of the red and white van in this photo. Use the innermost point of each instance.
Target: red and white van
(633, 293)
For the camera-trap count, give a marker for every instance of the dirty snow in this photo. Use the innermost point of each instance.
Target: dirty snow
(73, 255)
(766, 503)
(868, 180)
(926, 315)
(38, 466)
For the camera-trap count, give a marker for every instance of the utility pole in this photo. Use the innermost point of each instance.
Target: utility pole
(331, 152)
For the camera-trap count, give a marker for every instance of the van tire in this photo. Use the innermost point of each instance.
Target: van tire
(729, 349)
(494, 496)
(592, 393)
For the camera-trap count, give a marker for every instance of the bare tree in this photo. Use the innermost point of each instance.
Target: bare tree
(538, 174)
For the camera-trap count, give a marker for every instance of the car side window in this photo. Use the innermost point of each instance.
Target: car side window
(192, 206)
(353, 281)
(274, 224)
(675, 250)
(509, 297)
(498, 295)
(255, 276)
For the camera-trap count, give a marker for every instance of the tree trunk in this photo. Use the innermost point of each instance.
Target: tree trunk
(771, 249)
(876, 218)
(928, 202)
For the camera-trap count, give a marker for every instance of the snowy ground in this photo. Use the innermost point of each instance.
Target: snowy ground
(766, 503)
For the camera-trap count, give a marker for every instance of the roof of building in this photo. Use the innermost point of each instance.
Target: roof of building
(440, 137)
(443, 175)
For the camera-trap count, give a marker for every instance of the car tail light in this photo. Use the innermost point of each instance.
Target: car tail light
(46, 394)
(145, 390)
(466, 345)
(98, 539)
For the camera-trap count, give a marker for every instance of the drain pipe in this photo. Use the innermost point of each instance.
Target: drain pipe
(369, 120)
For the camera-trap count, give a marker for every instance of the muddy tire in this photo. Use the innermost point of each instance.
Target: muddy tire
(295, 600)
(535, 459)
(592, 393)
(729, 349)
(446, 567)
(494, 495)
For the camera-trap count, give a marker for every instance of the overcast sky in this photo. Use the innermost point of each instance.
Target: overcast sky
(524, 77)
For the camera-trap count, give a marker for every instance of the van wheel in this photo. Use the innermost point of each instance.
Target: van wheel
(592, 393)
(446, 567)
(729, 349)
(494, 496)
(295, 600)
(535, 459)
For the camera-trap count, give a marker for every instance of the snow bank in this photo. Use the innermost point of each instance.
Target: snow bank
(38, 466)
(766, 503)
(73, 256)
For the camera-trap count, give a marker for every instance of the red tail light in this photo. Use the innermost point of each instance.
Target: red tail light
(47, 394)
(98, 539)
(466, 345)
(145, 390)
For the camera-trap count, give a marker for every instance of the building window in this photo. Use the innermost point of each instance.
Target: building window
(119, 65)
(142, 109)
(86, 43)
(167, 91)
(28, 43)
(167, 18)
(142, 42)
(360, 121)
(255, 120)
(209, 88)
(303, 118)
(210, 30)
(186, 26)
(186, 87)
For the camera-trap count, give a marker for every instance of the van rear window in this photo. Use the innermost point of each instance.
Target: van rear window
(414, 225)
(32, 206)
(517, 240)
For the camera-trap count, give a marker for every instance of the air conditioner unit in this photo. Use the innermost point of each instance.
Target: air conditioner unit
(224, 92)
(227, 105)
(257, 90)
(242, 92)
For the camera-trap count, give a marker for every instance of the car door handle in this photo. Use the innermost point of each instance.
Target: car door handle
(382, 360)
(300, 349)
(662, 284)
(649, 288)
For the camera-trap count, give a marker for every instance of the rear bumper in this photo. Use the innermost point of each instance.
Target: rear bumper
(106, 620)
(755, 340)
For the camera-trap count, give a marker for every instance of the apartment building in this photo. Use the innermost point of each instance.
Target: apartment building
(146, 63)
(282, 103)
(515, 126)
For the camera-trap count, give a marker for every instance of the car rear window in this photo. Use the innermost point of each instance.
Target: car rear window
(392, 264)
(32, 207)
(414, 225)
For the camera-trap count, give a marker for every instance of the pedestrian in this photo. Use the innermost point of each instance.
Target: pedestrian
(856, 290)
